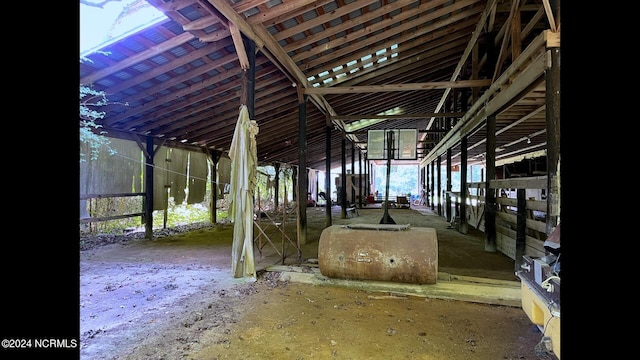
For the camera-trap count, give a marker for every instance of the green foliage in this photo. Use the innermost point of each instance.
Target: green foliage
(103, 207)
(403, 179)
(90, 133)
(262, 192)
(265, 190)
(182, 214)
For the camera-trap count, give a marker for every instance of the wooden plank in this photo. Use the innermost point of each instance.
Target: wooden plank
(106, 218)
(304, 268)
(462, 289)
(532, 182)
(398, 87)
(475, 215)
(479, 280)
(538, 205)
(102, 196)
(535, 247)
(506, 244)
(531, 223)
(507, 239)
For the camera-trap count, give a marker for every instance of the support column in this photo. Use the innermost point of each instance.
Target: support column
(359, 179)
(463, 225)
(148, 189)
(422, 183)
(327, 173)
(552, 80)
(276, 191)
(303, 186)
(433, 194)
(367, 182)
(449, 215)
(343, 177)
(439, 192)
(353, 173)
(294, 183)
(213, 208)
(490, 194)
(521, 226)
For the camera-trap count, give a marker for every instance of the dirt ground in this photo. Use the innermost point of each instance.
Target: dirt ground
(174, 297)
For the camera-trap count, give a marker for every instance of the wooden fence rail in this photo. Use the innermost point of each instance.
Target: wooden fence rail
(512, 239)
(112, 217)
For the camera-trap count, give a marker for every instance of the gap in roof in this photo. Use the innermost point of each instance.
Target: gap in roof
(364, 123)
(351, 64)
(105, 22)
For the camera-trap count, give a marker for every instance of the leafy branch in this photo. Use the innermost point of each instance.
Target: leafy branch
(90, 130)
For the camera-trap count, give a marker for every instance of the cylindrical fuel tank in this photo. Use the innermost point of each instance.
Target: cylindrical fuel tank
(385, 252)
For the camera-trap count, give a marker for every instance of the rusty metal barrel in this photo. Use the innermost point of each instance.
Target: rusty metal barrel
(385, 252)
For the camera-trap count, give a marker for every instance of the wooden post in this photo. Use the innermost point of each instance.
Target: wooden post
(276, 203)
(343, 177)
(294, 183)
(303, 180)
(521, 227)
(359, 179)
(552, 77)
(490, 194)
(463, 225)
(433, 196)
(327, 174)
(352, 191)
(449, 216)
(213, 208)
(421, 194)
(148, 184)
(439, 176)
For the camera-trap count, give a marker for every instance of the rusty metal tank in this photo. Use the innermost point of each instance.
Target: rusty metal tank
(385, 252)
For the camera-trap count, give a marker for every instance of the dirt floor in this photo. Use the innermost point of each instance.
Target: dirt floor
(174, 297)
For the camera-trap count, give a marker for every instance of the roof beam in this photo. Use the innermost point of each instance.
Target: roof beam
(285, 8)
(399, 87)
(261, 37)
(239, 44)
(550, 17)
(483, 19)
(403, 116)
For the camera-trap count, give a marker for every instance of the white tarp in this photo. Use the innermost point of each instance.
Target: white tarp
(177, 174)
(313, 184)
(224, 175)
(243, 156)
(198, 170)
(110, 173)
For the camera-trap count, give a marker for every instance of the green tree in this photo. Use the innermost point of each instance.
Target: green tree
(90, 131)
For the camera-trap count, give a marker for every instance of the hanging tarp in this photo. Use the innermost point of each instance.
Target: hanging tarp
(243, 182)
(178, 175)
(114, 172)
(198, 170)
(160, 177)
(313, 184)
(224, 175)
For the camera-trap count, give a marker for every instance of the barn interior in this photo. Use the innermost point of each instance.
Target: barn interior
(477, 82)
